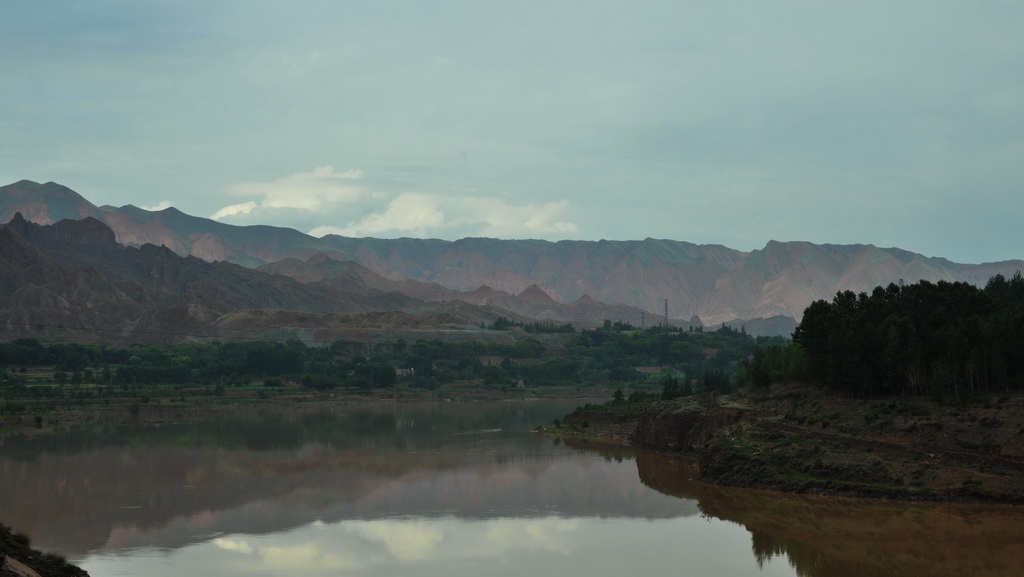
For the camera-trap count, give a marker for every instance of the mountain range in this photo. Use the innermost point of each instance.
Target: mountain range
(215, 271)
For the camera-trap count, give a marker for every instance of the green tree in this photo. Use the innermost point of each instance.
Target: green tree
(494, 375)
(715, 381)
(670, 388)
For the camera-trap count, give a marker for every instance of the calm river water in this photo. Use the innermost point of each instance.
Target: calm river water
(448, 489)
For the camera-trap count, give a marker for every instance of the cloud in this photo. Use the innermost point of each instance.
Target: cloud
(162, 205)
(408, 213)
(348, 203)
(298, 559)
(306, 191)
(405, 541)
(286, 559)
(505, 220)
(422, 215)
(549, 534)
(233, 545)
(244, 208)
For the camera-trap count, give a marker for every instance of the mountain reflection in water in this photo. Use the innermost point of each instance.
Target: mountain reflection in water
(111, 487)
(448, 489)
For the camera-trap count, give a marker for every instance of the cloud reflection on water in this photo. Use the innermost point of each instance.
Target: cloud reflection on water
(454, 546)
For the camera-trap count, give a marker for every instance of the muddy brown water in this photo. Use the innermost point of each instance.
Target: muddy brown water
(448, 489)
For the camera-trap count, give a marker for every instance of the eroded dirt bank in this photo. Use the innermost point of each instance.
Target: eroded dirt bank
(798, 439)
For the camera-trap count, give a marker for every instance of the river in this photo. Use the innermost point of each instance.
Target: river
(447, 489)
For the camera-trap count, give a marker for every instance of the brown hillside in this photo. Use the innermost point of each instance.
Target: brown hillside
(712, 282)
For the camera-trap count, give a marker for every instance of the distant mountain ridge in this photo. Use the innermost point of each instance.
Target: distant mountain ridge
(39, 295)
(71, 281)
(709, 283)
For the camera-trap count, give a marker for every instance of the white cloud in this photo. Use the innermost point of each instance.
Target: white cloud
(394, 546)
(413, 213)
(410, 213)
(302, 559)
(163, 204)
(410, 541)
(549, 534)
(244, 208)
(233, 545)
(503, 219)
(325, 201)
(422, 215)
(307, 191)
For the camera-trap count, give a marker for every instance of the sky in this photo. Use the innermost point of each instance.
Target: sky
(732, 122)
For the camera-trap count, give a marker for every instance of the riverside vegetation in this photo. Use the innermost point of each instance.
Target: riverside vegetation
(43, 383)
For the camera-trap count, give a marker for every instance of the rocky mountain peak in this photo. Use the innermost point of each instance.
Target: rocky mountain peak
(584, 300)
(535, 293)
(87, 233)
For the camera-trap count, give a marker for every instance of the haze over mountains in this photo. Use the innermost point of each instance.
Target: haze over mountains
(213, 270)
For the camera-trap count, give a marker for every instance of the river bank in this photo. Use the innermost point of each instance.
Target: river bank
(160, 404)
(18, 558)
(798, 439)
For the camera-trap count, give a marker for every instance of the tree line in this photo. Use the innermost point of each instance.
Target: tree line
(607, 355)
(946, 339)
